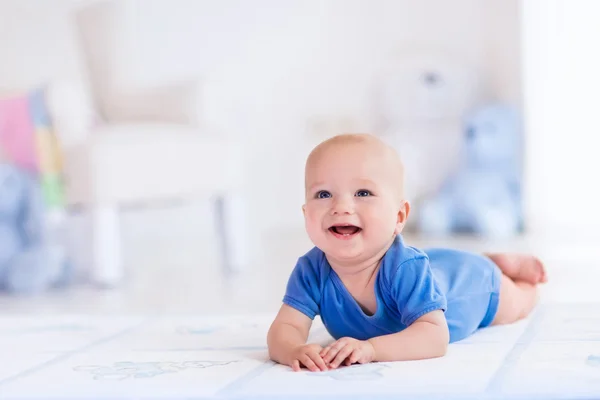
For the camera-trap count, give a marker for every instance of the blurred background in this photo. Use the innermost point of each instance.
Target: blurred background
(152, 152)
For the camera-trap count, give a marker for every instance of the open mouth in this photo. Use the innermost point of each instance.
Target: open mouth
(344, 231)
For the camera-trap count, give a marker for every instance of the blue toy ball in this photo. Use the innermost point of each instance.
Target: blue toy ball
(31, 258)
(484, 196)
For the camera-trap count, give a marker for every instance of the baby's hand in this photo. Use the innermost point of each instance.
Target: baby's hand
(349, 350)
(308, 355)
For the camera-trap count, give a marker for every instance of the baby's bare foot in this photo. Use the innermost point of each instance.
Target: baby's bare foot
(521, 267)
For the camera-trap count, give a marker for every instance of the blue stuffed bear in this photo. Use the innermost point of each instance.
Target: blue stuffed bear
(33, 254)
(484, 196)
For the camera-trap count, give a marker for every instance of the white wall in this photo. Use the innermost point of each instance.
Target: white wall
(561, 60)
(273, 69)
(277, 74)
(37, 43)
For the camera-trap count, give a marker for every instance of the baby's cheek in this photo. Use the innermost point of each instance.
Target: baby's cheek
(386, 223)
(313, 223)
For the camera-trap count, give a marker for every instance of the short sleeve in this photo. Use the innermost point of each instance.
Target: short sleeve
(302, 292)
(416, 291)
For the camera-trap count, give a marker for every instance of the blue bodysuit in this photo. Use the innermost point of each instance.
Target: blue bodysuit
(410, 283)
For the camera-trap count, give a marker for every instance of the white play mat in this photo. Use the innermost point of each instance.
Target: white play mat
(555, 354)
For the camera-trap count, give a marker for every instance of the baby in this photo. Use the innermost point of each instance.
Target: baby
(381, 299)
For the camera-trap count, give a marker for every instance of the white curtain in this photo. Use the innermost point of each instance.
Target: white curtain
(561, 81)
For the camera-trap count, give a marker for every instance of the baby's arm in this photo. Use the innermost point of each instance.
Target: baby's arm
(427, 337)
(287, 341)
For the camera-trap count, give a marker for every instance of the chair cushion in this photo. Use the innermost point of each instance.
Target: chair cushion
(139, 162)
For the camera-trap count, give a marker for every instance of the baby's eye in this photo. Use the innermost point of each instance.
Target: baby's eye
(363, 193)
(323, 194)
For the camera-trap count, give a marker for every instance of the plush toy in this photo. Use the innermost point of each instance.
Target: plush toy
(32, 248)
(483, 196)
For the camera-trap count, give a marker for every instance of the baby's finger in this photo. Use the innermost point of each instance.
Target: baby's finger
(296, 365)
(324, 352)
(354, 357)
(328, 348)
(329, 356)
(308, 363)
(333, 350)
(318, 361)
(341, 356)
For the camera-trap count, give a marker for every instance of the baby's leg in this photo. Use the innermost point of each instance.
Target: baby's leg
(520, 267)
(517, 299)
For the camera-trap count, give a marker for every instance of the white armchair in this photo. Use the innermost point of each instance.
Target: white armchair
(124, 164)
(146, 146)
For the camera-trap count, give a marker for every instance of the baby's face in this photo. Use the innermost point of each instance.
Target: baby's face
(352, 202)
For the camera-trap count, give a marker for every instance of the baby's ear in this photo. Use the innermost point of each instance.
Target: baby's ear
(402, 216)
(304, 209)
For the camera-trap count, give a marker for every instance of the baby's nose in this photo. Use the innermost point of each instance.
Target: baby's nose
(343, 206)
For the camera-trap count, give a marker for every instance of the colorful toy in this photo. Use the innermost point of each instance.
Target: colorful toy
(33, 251)
(484, 196)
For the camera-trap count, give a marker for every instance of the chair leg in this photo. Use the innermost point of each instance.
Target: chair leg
(232, 231)
(107, 269)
